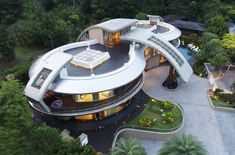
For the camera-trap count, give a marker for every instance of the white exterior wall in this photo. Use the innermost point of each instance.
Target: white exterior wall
(97, 34)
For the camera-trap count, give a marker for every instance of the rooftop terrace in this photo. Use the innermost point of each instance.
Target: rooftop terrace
(118, 56)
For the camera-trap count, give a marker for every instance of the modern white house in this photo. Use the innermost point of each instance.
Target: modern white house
(98, 75)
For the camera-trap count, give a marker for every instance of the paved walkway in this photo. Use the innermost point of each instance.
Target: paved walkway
(216, 129)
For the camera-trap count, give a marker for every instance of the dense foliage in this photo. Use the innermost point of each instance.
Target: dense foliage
(51, 23)
(18, 134)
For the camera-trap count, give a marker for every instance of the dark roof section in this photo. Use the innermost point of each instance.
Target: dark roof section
(169, 18)
(118, 56)
(188, 25)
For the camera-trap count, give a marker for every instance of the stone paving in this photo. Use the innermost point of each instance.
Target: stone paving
(216, 129)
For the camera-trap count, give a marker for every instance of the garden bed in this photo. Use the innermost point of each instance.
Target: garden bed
(220, 103)
(159, 116)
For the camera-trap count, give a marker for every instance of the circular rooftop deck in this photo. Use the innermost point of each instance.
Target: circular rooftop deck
(118, 57)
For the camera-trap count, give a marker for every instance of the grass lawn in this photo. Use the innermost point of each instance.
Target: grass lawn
(220, 103)
(22, 55)
(155, 112)
(27, 53)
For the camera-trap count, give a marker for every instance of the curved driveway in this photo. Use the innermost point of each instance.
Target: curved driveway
(216, 129)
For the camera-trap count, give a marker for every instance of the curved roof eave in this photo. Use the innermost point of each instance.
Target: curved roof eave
(140, 35)
(112, 25)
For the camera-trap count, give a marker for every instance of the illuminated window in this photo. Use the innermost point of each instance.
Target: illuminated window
(112, 111)
(84, 98)
(85, 117)
(147, 52)
(106, 94)
(113, 38)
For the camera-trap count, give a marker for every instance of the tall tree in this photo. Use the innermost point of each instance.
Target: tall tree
(217, 25)
(7, 43)
(10, 10)
(229, 45)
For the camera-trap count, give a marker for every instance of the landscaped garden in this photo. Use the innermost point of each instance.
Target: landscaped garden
(159, 116)
(222, 99)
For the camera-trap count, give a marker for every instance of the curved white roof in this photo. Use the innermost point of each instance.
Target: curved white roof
(104, 82)
(115, 25)
(94, 83)
(168, 50)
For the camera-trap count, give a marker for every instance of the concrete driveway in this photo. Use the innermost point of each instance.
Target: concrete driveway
(216, 129)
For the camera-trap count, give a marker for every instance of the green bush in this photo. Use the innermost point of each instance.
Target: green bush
(19, 72)
(225, 97)
(169, 117)
(146, 122)
(199, 69)
(167, 105)
(217, 91)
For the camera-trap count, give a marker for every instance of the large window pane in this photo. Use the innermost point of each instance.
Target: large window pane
(84, 98)
(106, 94)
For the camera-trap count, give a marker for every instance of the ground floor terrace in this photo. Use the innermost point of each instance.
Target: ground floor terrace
(214, 128)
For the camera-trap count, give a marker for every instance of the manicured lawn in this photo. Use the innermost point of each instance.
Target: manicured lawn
(219, 103)
(22, 55)
(27, 53)
(156, 113)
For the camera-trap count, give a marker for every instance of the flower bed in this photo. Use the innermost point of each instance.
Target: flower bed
(222, 99)
(217, 102)
(159, 115)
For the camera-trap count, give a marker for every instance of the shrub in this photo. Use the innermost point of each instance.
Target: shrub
(183, 144)
(146, 122)
(217, 91)
(199, 69)
(169, 117)
(225, 97)
(167, 105)
(19, 72)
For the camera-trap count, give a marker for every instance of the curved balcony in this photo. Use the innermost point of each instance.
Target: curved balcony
(72, 108)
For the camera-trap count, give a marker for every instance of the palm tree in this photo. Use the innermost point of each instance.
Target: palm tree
(182, 145)
(128, 147)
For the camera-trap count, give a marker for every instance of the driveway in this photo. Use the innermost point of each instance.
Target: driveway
(216, 129)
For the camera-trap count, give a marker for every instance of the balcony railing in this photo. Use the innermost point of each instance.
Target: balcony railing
(126, 94)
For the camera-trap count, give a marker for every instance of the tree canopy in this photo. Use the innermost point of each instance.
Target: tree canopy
(18, 134)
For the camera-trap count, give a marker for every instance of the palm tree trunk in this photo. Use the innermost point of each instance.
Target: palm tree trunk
(171, 82)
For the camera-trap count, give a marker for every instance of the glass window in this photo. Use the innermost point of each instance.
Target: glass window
(84, 98)
(106, 94)
(85, 117)
(41, 78)
(147, 52)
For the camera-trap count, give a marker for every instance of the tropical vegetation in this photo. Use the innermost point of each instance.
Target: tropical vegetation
(128, 146)
(19, 135)
(183, 145)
